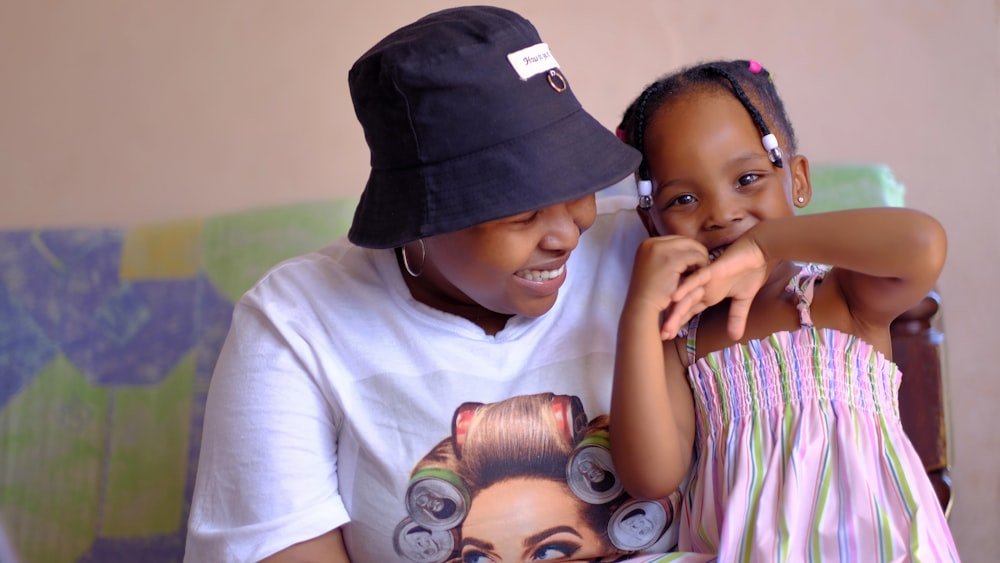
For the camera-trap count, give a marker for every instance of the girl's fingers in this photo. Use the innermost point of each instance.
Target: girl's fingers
(739, 311)
(663, 262)
(681, 312)
(696, 279)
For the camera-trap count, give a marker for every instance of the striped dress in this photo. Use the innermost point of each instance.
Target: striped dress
(801, 455)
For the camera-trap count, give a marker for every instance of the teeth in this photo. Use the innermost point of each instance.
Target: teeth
(541, 275)
(714, 255)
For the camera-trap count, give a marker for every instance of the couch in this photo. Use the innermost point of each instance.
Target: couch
(108, 338)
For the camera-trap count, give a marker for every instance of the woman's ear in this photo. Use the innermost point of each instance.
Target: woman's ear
(801, 184)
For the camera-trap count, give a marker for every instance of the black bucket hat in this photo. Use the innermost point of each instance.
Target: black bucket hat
(469, 119)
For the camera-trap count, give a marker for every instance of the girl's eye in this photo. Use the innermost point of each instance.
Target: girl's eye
(747, 179)
(686, 199)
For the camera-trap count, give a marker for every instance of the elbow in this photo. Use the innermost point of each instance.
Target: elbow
(931, 242)
(649, 479)
(651, 491)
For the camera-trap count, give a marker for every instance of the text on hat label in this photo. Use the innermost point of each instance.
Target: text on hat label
(532, 60)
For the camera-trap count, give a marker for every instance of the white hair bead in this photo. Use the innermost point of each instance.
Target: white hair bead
(645, 188)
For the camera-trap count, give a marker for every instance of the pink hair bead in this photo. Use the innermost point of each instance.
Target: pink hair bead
(755, 67)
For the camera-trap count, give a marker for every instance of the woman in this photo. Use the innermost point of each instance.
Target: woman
(467, 276)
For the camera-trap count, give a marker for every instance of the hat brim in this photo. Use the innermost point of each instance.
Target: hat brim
(563, 161)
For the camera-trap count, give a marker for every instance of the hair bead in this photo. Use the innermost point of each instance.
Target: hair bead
(645, 188)
(742, 77)
(773, 151)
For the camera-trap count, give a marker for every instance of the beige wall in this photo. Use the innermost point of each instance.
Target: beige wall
(122, 112)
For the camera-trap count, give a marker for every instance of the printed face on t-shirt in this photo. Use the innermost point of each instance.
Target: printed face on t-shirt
(525, 519)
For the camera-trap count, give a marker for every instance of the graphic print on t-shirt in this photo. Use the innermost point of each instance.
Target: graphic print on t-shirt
(528, 478)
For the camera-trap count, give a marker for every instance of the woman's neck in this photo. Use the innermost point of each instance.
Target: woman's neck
(430, 294)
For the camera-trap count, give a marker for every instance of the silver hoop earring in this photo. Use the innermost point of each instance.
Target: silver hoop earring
(423, 257)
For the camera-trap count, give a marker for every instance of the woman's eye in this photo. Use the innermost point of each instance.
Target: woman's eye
(747, 179)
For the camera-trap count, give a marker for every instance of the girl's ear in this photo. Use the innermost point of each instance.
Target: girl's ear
(801, 184)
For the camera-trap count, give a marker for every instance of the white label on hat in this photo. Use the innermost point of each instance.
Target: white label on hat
(532, 60)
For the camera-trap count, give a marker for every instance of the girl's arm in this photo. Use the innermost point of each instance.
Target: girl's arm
(652, 415)
(885, 259)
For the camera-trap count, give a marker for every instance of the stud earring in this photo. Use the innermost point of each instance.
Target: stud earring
(800, 199)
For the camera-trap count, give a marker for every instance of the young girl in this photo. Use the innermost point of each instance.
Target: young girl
(782, 387)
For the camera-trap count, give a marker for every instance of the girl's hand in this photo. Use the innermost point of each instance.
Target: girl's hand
(661, 263)
(738, 274)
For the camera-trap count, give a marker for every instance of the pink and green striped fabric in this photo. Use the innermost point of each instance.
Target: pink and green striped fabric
(801, 455)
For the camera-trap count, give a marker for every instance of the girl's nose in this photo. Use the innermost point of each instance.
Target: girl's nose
(721, 211)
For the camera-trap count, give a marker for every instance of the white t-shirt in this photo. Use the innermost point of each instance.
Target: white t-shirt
(334, 383)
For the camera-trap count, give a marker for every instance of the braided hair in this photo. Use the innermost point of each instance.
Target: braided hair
(737, 77)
